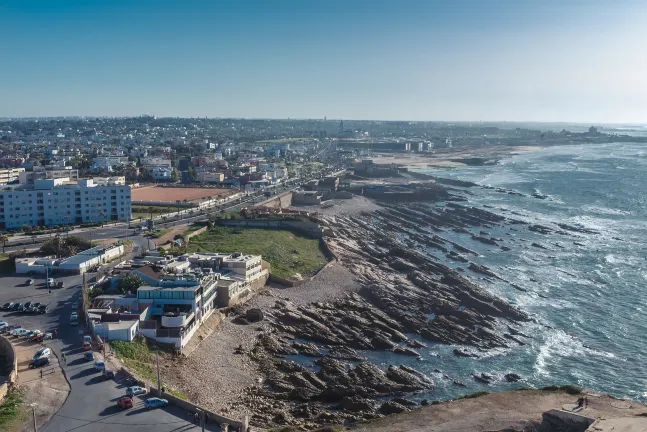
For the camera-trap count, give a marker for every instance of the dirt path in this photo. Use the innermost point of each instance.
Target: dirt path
(496, 412)
(48, 391)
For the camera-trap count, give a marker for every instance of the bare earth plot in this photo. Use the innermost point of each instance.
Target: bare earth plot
(171, 195)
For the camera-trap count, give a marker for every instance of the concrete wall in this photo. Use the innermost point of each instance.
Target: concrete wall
(284, 199)
(561, 418)
(197, 232)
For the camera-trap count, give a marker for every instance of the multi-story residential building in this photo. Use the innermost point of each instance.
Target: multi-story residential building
(162, 172)
(110, 181)
(107, 162)
(210, 177)
(155, 161)
(9, 175)
(40, 173)
(61, 202)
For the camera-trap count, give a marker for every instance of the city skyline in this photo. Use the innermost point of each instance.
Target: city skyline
(469, 61)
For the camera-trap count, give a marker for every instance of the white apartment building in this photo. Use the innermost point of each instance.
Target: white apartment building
(109, 181)
(107, 162)
(40, 173)
(10, 174)
(60, 202)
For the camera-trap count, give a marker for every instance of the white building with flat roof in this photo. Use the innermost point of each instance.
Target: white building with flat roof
(53, 202)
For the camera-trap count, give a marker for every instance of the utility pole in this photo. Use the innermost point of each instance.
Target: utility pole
(159, 386)
(33, 411)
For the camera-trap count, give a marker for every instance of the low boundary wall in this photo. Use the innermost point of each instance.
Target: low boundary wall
(309, 228)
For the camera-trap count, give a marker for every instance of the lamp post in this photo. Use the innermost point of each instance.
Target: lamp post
(33, 411)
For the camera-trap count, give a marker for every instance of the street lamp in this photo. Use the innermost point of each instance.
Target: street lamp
(33, 411)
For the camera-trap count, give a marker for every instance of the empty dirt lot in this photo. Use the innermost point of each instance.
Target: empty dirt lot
(171, 195)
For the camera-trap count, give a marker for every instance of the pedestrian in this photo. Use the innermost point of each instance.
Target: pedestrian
(196, 418)
(586, 402)
(64, 358)
(55, 333)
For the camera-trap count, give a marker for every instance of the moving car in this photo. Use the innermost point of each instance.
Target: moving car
(125, 402)
(99, 366)
(135, 390)
(42, 361)
(43, 352)
(154, 402)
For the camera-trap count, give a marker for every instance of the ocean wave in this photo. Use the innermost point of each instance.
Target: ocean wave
(605, 210)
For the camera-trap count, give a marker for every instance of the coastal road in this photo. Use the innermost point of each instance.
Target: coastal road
(91, 404)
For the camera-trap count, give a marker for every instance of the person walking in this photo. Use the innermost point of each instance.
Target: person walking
(64, 358)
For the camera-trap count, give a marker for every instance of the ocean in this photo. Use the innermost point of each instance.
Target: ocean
(588, 299)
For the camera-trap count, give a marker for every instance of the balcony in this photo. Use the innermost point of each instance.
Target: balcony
(171, 319)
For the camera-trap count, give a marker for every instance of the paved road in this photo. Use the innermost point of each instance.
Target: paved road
(91, 405)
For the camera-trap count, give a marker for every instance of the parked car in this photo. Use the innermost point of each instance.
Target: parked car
(3, 324)
(88, 356)
(28, 305)
(125, 402)
(43, 352)
(19, 332)
(74, 319)
(17, 306)
(86, 346)
(135, 390)
(32, 333)
(75, 305)
(47, 336)
(38, 338)
(154, 402)
(43, 309)
(7, 306)
(49, 282)
(36, 304)
(29, 282)
(108, 374)
(60, 285)
(99, 366)
(42, 361)
(87, 338)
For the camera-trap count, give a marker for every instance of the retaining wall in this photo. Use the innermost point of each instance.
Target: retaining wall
(283, 200)
(197, 232)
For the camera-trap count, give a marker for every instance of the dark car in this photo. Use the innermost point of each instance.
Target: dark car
(60, 285)
(37, 304)
(27, 305)
(39, 362)
(7, 306)
(43, 309)
(18, 306)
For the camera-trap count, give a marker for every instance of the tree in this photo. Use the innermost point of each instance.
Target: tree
(129, 284)
(4, 239)
(64, 247)
(162, 251)
(151, 209)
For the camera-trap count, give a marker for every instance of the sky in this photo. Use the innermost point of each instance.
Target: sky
(449, 60)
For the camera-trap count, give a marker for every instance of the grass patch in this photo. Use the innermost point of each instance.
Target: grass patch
(12, 412)
(142, 211)
(7, 265)
(570, 389)
(139, 358)
(474, 395)
(287, 252)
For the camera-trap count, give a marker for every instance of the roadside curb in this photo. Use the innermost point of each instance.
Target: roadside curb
(67, 380)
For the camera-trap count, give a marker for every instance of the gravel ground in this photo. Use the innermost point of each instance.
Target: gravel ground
(342, 206)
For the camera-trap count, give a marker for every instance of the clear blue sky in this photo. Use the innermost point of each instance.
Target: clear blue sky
(544, 60)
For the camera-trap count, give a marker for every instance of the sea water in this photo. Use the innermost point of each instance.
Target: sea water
(589, 301)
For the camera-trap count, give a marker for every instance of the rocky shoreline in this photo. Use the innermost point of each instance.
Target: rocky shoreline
(312, 355)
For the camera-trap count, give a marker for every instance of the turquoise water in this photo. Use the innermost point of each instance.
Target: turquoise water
(592, 323)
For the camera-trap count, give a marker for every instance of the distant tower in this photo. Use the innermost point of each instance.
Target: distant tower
(341, 126)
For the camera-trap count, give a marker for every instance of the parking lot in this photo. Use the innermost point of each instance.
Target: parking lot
(59, 301)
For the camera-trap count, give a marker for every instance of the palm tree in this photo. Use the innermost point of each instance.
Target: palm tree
(185, 201)
(4, 239)
(102, 214)
(177, 202)
(151, 209)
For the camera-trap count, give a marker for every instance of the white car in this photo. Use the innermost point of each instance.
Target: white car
(49, 282)
(3, 324)
(43, 352)
(19, 332)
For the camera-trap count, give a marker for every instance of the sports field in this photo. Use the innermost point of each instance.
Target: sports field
(171, 195)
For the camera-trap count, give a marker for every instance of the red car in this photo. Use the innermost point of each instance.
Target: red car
(125, 402)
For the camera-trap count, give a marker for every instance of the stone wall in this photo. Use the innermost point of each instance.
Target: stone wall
(308, 228)
(8, 366)
(283, 200)
(197, 232)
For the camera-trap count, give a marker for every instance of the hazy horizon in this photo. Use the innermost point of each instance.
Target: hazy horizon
(491, 61)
